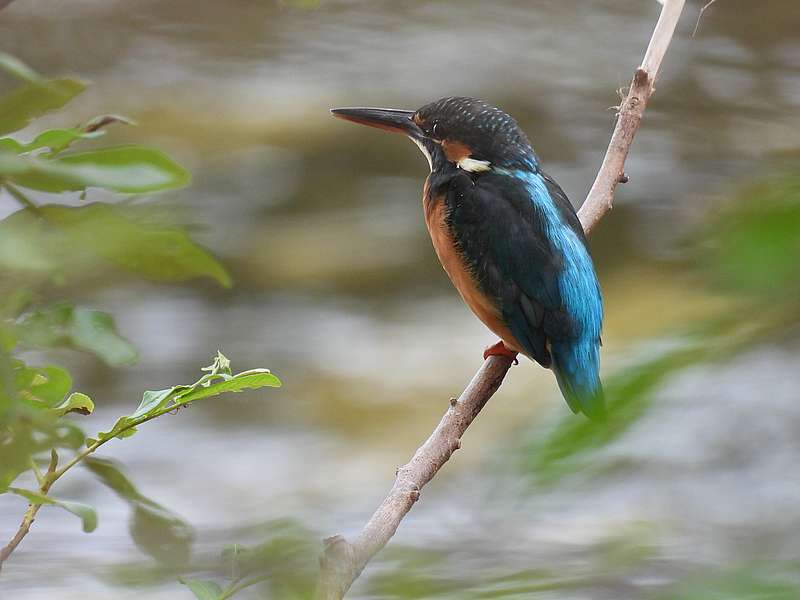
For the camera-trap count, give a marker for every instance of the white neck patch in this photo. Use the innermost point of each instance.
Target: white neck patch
(424, 151)
(473, 165)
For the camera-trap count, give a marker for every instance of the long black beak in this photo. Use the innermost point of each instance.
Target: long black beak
(390, 119)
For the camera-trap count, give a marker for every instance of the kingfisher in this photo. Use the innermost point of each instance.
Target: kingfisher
(508, 238)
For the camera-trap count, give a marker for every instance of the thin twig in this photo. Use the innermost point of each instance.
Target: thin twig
(30, 515)
(706, 6)
(342, 561)
(53, 474)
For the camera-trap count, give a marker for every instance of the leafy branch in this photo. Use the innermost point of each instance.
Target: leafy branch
(218, 379)
(44, 246)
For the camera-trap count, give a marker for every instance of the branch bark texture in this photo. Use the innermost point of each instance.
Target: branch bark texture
(343, 561)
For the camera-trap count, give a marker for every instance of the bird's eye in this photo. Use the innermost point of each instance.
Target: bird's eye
(435, 129)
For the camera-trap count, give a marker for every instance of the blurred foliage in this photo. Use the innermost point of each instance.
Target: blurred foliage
(749, 251)
(48, 249)
(753, 582)
(154, 528)
(284, 565)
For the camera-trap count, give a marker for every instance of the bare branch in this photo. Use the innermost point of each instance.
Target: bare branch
(30, 514)
(706, 6)
(342, 561)
(612, 171)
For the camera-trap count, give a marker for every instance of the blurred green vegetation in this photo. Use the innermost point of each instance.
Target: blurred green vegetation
(749, 252)
(46, 250)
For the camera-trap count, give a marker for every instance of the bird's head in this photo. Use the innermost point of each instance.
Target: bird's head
(464, 132)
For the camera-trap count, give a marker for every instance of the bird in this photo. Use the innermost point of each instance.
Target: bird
(508, 238)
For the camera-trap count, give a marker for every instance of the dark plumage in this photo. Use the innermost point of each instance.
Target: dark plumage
(508, 237)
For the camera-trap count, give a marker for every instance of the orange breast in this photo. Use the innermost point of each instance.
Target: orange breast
(459, 274)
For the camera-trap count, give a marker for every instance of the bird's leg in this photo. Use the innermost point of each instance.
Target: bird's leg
(499, 349)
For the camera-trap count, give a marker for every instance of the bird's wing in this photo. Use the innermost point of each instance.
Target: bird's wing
(504, 242)
(564, 206)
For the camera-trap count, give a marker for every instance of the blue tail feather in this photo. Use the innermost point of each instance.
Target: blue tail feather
(577, 369)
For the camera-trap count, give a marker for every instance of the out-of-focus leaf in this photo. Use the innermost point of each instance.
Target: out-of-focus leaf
(764, 582)
(77, 327)
(29, 433)
(753, 247)
(67, 434)
(84, 512)
(111, 476)
(202, 590)
(628, 394)
(287, 546)
(100, 121)
(14, 66)
(75, 403)
(59, 239)
(54, 139)
(217, 381)
(18, 446)
(26, 245)
(35, 98)
(11, 145)
(158, 253)
(154, 528)
(41, 387)
(125, 169)
(161, 534)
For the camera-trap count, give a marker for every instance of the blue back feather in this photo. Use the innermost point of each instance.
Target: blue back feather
(576, 360)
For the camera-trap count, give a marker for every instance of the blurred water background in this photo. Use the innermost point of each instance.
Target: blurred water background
(337, 290)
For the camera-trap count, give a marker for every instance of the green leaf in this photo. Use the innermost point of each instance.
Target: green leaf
(60, 239)
(125, 169)
(95, 331)
(202, 590)
(54, 139)
(253, 379)
(58, 140)
(157, 403)
(76, 327)
(152, 400)
(35, 98)
(26, 245)
(286, 556)
(14, 66)
(155, 529)
(11, 145)
(158, 253)
(752, 245)
(221, 365)
(41, 387)
(77, 403)
(100, 121)
(18, 448)
(84, 512)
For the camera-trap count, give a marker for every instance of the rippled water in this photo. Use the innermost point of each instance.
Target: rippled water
(339, 293)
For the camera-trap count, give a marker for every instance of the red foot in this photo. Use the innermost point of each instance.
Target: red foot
(499, 349)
